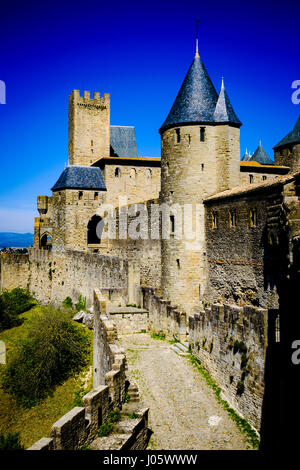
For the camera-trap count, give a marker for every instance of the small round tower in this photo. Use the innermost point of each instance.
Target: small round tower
(287, 151)
(200, 156)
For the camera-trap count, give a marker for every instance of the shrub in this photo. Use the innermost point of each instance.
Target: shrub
(12, 304)
(105, 429)
(68, 302)
(54, 349)
(133, 415)
(114, 416)
(10, 441)
(81, 304)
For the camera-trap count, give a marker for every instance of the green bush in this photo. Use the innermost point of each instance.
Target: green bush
(68, 302)
(114, 416)
(10, 441)
(105, 429)
(12, 304)
(81, 304)
(54, 349)
(133, 415)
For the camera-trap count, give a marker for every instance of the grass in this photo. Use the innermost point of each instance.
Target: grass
(242, 423)
(160, 336)
(36, 422)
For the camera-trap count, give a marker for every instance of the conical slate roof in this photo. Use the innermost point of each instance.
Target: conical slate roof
(224, 111)
(246, 157)
(196, 100)
(80, 177)
(261, 156)
(293, 137)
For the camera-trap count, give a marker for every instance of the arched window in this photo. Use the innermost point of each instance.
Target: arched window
(148, 173)
(46, 241)
(94, 230)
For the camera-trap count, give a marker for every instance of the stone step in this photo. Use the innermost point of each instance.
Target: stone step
(178, 350)
(181, 347)
(186, 344)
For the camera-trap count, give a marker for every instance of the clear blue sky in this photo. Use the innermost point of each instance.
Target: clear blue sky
(139, 52)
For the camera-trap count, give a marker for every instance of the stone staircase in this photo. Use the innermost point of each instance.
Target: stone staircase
(133, 392)
(182, 349)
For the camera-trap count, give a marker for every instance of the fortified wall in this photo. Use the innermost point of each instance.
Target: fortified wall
(79, 427)
(53, 276)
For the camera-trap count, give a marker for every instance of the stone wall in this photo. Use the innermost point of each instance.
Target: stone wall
(237, 258)
(14, 271)
(53, 276)
(231, 343)
(164, 318)
(80, 425)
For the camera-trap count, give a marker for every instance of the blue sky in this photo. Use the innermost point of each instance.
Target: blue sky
(139, 52)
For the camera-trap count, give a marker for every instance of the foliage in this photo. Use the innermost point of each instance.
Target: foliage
(114, 416)
(105, 429)
(242, 423)
(10, 441)
(12, 304)
(81, 304)
(53, 349)
(159, 335)
(127, 397)
(68, 302)
(133, 415)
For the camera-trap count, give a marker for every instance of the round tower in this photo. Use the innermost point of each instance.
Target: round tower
(200, 156)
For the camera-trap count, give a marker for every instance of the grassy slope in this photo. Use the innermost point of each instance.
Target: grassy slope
(36, 422)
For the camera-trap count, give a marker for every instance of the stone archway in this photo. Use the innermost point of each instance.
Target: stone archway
(94, 229)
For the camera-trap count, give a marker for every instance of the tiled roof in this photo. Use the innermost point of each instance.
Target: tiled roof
(293, 137)
(80, 177)
(224, 111)
(123, 141)
(261, 156)
(251, 188)
(196, 100)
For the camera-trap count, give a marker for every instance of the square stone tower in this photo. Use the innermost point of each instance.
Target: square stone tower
(89, 127)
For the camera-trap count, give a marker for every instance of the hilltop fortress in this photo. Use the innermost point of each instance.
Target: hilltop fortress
(206, 242)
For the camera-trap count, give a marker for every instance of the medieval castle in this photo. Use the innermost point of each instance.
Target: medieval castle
(225, 273)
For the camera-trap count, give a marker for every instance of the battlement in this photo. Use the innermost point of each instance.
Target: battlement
(86, 97)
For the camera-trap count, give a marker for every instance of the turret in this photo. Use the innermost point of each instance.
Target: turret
(200, 156)
(287, 151)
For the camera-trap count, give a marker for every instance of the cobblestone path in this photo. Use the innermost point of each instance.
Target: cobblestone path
(184, 413)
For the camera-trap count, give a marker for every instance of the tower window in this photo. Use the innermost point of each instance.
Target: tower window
(177, 135)
(172, 224)
(96, 196)
(264, 177)
(251, 178)
(92, 143)
(117, 173)
(202, 166)
(253, 218)
(214, 220)
(178, 263)
(232, 219)
(80, 195)
(202, 134)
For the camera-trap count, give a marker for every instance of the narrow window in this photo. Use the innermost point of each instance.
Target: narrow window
(189, 139)
(80, 194)
(202, 134)
(253, 217)
(117, 173)
(232, 219)
(202, 166)
(251, 178)
(214, 220)
(172, 223)
(277, 329)
(92, 143)
(177, 135)
(178, 263)
(264, 177)
(95, 196)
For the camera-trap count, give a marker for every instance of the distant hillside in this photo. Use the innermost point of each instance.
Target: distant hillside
(15, 240)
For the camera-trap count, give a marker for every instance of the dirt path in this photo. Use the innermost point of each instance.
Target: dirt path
(184, 413)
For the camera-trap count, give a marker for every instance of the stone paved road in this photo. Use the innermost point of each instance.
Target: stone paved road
(184, 413)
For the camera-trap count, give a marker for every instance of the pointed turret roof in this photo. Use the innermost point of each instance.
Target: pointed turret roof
(261, 156)
(246, 157)
(224, 111)
(292, 137)
(196, 100)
